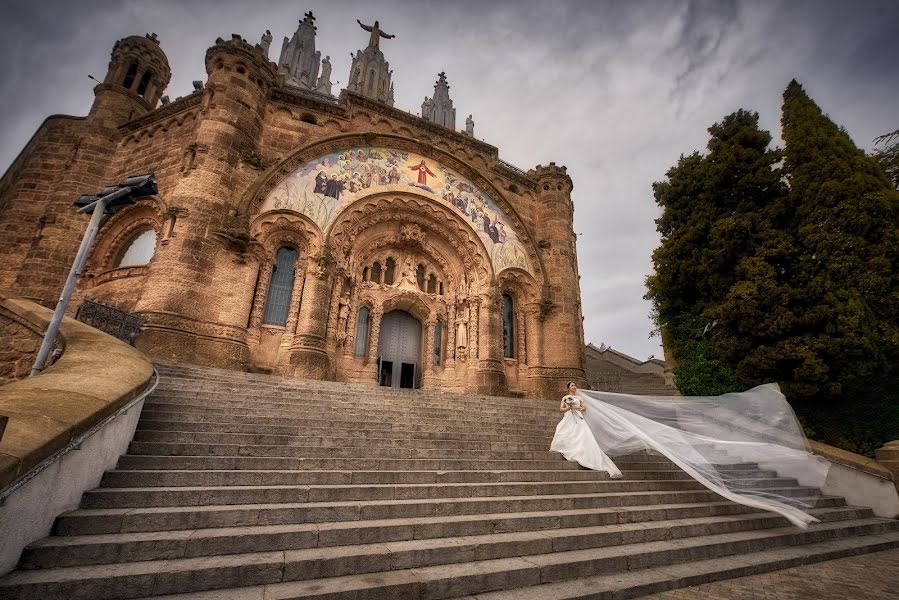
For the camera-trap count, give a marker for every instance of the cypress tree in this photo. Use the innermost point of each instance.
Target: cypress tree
(715, 208)
(845, 213)
(844, 278)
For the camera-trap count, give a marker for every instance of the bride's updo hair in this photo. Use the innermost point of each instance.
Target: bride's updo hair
(568, 385)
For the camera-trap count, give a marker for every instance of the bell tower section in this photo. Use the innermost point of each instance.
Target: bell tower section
(137, 76)
(561, 313)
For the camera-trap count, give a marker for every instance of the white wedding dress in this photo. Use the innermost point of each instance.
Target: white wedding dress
(575, 441)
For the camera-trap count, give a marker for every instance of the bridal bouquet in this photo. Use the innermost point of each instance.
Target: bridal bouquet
(570, 402)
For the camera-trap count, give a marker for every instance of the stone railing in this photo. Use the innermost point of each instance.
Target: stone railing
(861, 480)
(88, 400)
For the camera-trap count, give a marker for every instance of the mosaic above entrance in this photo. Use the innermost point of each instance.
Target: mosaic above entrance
(321, 188)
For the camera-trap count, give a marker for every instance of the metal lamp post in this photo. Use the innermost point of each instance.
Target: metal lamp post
(107, 201)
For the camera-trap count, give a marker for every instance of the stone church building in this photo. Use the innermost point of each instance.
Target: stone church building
(302, 233)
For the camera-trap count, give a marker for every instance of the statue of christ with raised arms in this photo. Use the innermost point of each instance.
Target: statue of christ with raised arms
(376, 33)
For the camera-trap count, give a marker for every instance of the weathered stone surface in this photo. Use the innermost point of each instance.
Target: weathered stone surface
(181, 519)
(96, 375)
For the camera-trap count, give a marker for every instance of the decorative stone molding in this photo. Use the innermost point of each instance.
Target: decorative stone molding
(181, 324)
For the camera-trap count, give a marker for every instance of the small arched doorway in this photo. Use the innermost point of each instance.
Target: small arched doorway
(399, 350)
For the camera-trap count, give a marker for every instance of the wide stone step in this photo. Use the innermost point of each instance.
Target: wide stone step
(341, 420)
(639, 582)
(314, 415)
(567, 531)
(121, 520)
(272, 385)
(334, 441)
(477, 566)
(155, 462)
(370, 400)
(269, 494)
(176, 478)
(367, 398)
(313, 423)
(311, 452)
(359, 431)
(120, 479)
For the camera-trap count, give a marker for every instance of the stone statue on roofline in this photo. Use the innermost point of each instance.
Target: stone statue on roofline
(376, 34)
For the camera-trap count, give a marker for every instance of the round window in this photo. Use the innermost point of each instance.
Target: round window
(138, 250)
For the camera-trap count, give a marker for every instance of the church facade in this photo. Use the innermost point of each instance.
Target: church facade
(302, 233)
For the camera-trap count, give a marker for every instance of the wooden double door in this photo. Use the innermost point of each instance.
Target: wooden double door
(399, 351)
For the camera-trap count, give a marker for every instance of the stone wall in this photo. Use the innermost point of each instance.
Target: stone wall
(19, 343)
(612, 371)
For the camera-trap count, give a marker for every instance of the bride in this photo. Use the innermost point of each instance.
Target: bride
(575, 441)
(728, 443)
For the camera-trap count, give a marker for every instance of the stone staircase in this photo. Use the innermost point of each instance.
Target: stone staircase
(252, 487)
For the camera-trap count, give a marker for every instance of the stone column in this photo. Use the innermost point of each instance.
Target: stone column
(265, 276)
(296, 300)
(308, 355)
(491, 375)
(533, 335)
(374, 331)
(449, 335)
(429, 343)
(473, 310)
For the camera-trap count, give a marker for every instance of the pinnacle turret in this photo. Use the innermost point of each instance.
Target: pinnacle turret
(370, 73)
(300, 61)
(439, 109)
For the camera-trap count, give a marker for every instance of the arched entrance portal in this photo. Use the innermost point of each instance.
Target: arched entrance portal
(399, 350)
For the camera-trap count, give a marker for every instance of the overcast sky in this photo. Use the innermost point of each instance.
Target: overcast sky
(615, 91)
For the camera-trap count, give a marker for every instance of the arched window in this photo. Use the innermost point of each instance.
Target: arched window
(438, 342)
(280, 287)
(389, 271)
(365, 274)
(138, 250)
(420, 277)
(508, 327)
(362, 323)
(432, 284)
(130, 76)
(144, 82)
(376, 272)
(440, 288)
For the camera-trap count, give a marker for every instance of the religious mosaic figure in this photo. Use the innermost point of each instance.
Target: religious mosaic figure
(334, 187)
(423, 172)
(324, 186)
(321, 181)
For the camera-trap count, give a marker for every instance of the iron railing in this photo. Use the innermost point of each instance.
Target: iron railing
(110, 319)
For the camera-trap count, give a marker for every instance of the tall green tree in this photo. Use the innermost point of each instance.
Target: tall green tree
(888, 155)
(716, 208)
(845, 222)
(796, 261)
(846, 227)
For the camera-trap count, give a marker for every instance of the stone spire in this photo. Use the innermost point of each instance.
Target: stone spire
(299, 59)
(439, 109)
(370, 74)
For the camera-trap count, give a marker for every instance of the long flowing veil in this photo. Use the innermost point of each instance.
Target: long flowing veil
(718, 440)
